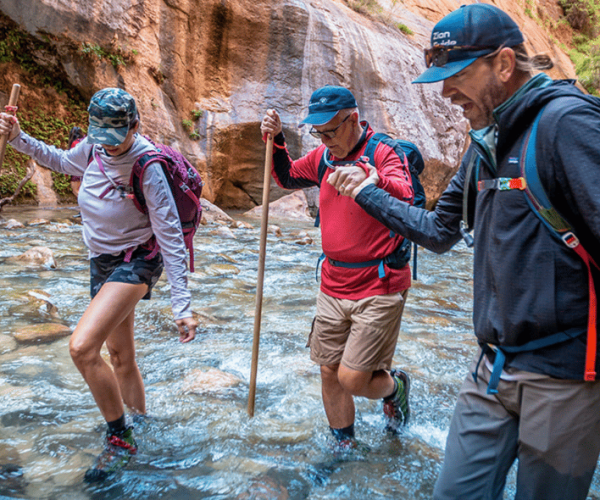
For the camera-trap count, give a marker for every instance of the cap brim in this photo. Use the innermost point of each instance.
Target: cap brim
(438, 73)
(108, 136)
(318, 118)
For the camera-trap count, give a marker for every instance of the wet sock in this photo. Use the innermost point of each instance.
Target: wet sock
(342, 434)
(117, 426)
(393, 394)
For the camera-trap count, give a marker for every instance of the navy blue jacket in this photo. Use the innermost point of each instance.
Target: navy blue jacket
(527, 284)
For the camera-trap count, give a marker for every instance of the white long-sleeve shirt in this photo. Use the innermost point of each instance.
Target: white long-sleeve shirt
(113, 224)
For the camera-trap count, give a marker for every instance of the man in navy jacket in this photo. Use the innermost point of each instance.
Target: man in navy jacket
(531, 291)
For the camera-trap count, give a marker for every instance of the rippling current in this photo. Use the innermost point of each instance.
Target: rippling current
(197, 441)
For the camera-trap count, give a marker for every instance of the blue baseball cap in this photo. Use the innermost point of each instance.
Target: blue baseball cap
(111, 112)
(480, 28)
(326, 102)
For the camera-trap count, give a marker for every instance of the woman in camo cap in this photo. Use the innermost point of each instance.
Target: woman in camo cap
(122, 268)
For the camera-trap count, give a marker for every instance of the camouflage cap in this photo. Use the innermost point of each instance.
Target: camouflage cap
(111, 112)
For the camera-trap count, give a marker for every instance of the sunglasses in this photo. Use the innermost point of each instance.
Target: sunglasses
(329, 134)
(438, 55)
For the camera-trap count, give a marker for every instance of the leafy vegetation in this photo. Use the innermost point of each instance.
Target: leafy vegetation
(66, 106)
(117, 57)
(51, 130)
(405, 29)
(365, 6)
(372, 9)
(584, 17)
(19, 47)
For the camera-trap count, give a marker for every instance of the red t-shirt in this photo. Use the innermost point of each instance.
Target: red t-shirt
(348, 233)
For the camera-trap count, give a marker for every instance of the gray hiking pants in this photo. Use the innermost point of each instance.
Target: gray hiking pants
(552, 426)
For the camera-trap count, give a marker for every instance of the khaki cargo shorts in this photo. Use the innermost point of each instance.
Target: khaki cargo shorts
(360, 334)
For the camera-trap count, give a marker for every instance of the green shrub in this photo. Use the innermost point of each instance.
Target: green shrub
(117, 57)
(405, 29)
(584, 17)
(586, 58)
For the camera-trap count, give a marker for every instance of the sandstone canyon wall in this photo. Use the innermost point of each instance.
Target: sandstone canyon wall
(230, 60)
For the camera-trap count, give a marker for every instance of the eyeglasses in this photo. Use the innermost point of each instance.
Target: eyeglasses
(438, 55)
(329, 134)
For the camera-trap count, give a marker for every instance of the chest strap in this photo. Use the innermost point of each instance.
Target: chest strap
(502, 184)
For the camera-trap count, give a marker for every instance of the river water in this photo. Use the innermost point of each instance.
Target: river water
(197, 441)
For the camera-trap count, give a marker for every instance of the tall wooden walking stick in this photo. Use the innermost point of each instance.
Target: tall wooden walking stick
(261, 273)
(11, 109)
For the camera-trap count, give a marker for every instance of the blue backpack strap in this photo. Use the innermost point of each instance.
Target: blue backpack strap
(533, 345)
(536, 195)
(472, 164)
(320, 174)
(374, 141)
(542, 207)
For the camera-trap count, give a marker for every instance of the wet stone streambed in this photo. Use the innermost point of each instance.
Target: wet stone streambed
(197, 441)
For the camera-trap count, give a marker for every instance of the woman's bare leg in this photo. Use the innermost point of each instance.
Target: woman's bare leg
(107, 311)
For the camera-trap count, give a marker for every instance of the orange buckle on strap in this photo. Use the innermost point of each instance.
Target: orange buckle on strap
(518, 183)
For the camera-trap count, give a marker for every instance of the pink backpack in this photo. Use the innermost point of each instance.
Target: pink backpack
(186, 186)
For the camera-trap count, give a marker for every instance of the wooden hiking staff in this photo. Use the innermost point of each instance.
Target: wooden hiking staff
(261, 272)
(10, 109)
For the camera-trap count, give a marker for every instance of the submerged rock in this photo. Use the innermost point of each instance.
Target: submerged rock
(200, 381)
(275, 230)
(238, 224)
(212, 213)
(264, 488)
(221, 269)
(307, 240)
(41, 333)
(36, 256)
(38, 222)
(42, 299)
(13, 224)
(224, 232)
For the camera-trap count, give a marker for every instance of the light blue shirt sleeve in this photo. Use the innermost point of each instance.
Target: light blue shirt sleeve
(72, 162)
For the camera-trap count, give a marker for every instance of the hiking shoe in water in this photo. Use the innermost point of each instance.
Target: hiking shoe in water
(117, 452)
(396, 407)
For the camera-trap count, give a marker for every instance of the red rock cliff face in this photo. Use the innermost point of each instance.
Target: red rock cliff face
(231, 60)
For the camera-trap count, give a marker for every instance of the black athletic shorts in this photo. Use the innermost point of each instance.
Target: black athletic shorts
(137, 271)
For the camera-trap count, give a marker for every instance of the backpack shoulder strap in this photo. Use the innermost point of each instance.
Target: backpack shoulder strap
(322, 166)
(372, 144)
(542, 207)
(536, 194)
(137, 174)
(472, 162)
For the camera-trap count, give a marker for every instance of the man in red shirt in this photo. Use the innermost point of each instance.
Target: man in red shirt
(365, 276)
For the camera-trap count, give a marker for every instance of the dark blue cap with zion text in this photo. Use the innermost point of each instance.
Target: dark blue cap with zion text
(326, 102)
(479, 25)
